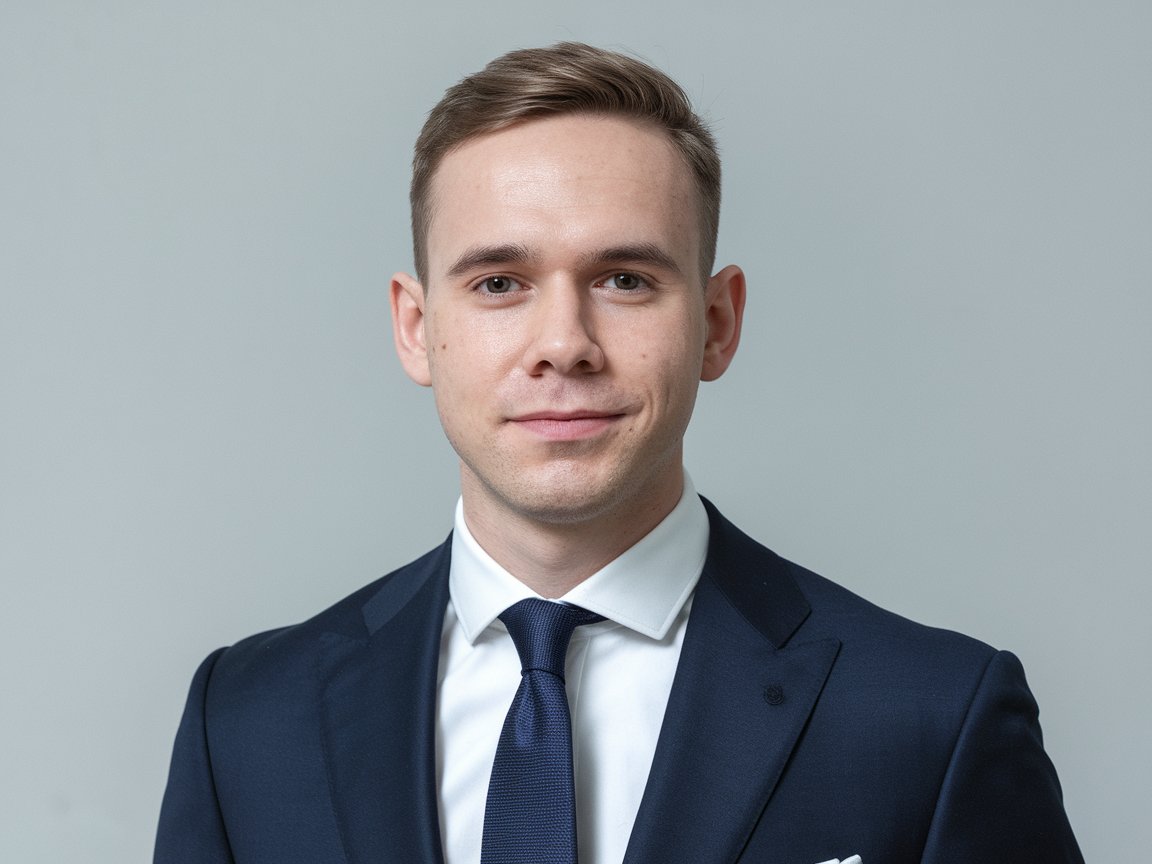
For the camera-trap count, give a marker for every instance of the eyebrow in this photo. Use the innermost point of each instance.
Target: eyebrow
(517, 253)
(631, 253)
(489, 256)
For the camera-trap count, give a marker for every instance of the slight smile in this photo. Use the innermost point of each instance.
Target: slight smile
(566, 425)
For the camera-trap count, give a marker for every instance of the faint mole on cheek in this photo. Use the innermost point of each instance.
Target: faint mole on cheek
(444, 346)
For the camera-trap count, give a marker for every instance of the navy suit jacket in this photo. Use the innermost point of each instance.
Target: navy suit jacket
(804, 724)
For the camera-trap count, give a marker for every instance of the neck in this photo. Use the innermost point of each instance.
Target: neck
(553, 557)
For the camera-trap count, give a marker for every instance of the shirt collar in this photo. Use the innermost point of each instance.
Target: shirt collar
(643, 589)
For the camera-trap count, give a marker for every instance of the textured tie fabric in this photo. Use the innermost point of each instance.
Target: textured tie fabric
(530, 817)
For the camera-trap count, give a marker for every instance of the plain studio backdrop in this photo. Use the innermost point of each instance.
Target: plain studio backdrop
(942, 400)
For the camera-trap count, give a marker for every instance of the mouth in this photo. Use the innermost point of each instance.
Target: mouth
(566, 425)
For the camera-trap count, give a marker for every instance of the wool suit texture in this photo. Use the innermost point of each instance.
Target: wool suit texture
(804, 724)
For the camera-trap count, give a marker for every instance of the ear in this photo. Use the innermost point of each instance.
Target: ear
(408, 327)
(723, 315)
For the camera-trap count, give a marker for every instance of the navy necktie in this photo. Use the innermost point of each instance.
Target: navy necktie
(530, 817)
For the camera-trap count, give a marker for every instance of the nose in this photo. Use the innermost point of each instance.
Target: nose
(563, 336)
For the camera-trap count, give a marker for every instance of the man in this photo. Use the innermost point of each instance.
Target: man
(725, 705)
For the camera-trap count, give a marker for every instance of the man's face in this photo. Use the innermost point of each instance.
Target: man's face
(563, 326)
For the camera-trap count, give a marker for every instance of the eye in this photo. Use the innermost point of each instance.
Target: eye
(625, 282)
(498, 285)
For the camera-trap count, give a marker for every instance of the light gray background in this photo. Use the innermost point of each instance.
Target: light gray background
(942, 399)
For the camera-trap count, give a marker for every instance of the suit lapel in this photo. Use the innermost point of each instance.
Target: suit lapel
(378, 703)
(740, 699)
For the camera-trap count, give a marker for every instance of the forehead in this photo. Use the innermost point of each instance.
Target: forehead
(561, 183)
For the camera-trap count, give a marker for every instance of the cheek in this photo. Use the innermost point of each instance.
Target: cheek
(468, 362)
(674, 367)
(671, 371)
(445, 349)
(470, 344)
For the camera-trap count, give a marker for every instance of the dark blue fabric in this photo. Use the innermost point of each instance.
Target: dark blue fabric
(804, 724)
(530, 817)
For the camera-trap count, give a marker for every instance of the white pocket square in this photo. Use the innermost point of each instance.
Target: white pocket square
(855, 859)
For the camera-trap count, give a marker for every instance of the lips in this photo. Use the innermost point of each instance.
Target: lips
(576, 414)
(566, 425)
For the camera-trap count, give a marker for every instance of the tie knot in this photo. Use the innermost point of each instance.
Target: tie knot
(541, 631)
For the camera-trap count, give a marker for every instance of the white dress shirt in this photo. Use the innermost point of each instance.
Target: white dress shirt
(619, 674)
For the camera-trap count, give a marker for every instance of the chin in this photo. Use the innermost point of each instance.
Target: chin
(562, 506)
(574, 494)
(574, 490)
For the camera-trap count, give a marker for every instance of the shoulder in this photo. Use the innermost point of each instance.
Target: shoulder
(883, 654)
(859, 622)
(793, 605)
(900, 694)
(283, 659)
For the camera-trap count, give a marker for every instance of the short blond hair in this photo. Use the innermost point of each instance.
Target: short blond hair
(567, 78)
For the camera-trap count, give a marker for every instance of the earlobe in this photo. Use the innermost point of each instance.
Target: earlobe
(724, 315)
(407, 297)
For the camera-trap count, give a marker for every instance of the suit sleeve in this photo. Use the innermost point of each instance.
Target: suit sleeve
(191, 827)
(1000, 800)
